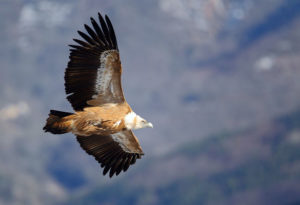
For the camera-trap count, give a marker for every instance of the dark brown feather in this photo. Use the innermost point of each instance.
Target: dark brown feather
(120, 167)
(111, 32)
(112, 156)
(87, 38)
(92, 33)
(127, 164)
(82, 43)
(104, 29)
(106, 169)
(99, 32)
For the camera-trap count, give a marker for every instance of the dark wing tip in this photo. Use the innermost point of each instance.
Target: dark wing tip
(102, 35)
(108, 153)
(99, 15)
(118, 165)
(111, 32)
(105, 170)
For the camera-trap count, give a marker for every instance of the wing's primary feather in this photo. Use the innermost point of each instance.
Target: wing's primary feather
(105, 29)
(93, 74)
(98, 31)
(114, 152)
(111, 32)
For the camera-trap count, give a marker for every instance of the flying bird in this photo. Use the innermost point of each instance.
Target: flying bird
(103, 121)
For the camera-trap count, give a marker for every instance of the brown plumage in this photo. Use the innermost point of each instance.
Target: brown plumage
(103, 120)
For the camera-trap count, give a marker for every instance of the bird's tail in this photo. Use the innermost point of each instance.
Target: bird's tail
(58, 122)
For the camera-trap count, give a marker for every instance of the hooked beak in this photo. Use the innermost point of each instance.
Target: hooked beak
(149, 125)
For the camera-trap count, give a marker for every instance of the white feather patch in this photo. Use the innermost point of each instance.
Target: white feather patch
(104, 75)
(116, 124)
(129, 120)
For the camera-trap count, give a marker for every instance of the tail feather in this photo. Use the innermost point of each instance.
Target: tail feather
(58, 122)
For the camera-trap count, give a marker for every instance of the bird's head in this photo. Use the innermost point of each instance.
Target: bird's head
(142, 123)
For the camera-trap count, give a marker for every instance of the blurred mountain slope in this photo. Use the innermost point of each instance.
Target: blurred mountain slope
(259, 165)
(193, 68)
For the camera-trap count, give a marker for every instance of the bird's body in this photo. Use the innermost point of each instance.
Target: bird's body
(103, 120)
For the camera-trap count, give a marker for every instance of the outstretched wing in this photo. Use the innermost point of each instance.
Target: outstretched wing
(115, 152)
(93, 75)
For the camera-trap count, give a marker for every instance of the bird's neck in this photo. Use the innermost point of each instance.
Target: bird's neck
(130, 120)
